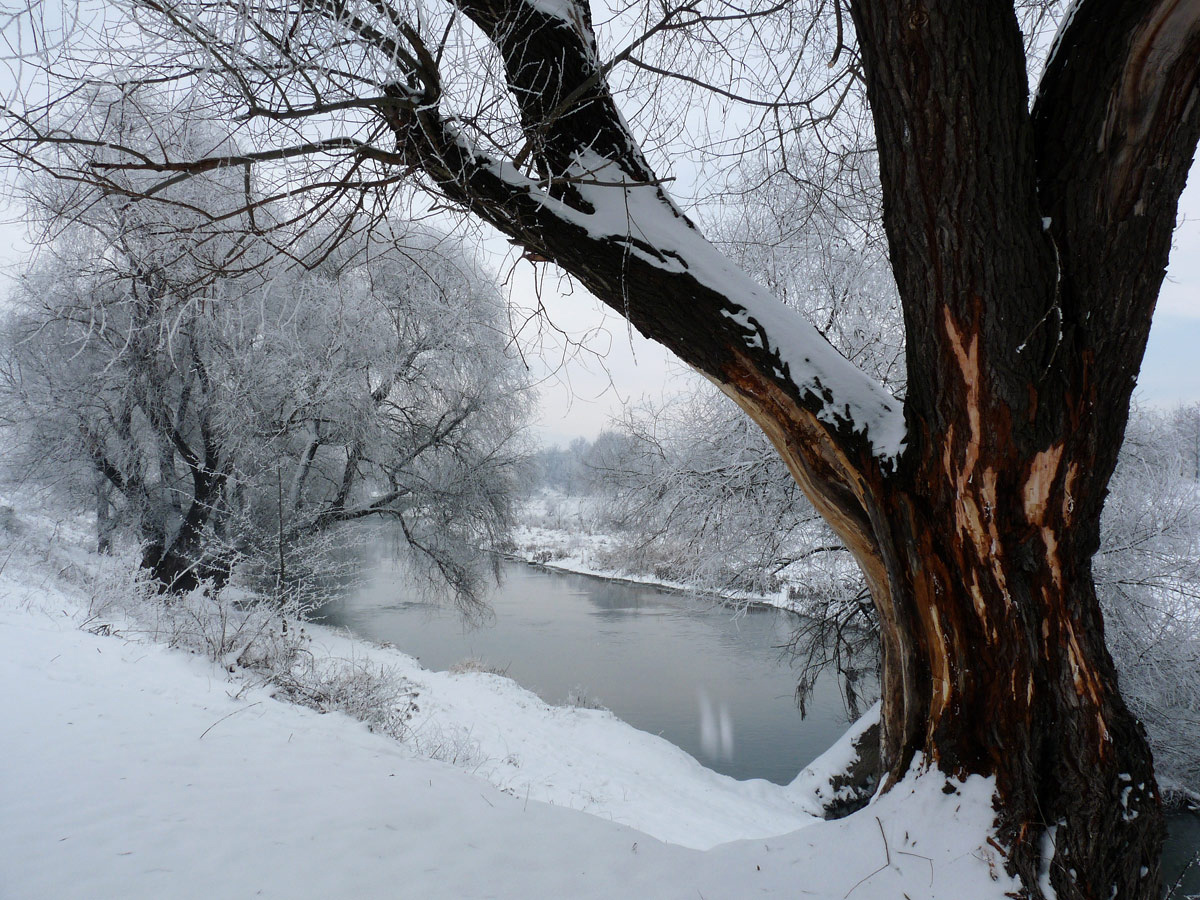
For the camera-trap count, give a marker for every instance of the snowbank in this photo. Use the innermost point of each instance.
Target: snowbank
(556, 532)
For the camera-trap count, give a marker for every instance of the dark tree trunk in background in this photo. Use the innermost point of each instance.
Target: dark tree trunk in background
(180, 561)
(104, 517)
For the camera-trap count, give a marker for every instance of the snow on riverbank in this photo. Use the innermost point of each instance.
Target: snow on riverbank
(556, 532)
(133, 770)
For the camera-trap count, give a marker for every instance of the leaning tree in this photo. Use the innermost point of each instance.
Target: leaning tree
(1028, 242)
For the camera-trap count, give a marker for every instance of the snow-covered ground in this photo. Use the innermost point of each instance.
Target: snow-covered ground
(136, 770)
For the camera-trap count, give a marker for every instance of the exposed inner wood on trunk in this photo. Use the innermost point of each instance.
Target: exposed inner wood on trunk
(817, 463)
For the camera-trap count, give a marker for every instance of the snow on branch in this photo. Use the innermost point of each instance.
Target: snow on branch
(643, 218)
(594, 176)
(535, 145)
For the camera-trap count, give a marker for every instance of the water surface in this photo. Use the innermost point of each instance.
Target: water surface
(712, 682)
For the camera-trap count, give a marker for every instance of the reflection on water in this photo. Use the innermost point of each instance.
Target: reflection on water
(710, 682)
(716, 728)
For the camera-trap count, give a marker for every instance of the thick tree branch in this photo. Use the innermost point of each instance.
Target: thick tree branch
(1116, 122)
(957, 167)
(603, 216)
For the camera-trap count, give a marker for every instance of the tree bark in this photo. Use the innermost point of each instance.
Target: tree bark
(1029, 255)
(995, 664)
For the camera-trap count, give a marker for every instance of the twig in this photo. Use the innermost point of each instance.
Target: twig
(887, 853)
(919, 856)
(837, 50)
(224, 717)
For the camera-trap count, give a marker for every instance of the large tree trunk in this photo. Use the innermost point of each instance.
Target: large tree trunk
(1028, 270)
(1029, 255)
(995, 663)
(993, 653)
(1028, 248)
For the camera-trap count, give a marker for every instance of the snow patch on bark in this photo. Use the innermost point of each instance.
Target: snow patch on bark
(1048, 848)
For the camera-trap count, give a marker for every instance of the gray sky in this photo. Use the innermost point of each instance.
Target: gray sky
(1171, 371)
(590, 362)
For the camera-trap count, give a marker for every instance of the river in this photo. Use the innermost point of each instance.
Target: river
(712, 682)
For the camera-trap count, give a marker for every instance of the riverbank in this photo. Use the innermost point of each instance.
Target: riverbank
(557, 532)
(136, 770)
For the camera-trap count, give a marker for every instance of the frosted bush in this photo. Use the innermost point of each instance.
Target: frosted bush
(374, 694)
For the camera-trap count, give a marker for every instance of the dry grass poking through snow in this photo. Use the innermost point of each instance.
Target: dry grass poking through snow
(258, 640)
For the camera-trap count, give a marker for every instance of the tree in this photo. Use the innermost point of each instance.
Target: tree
(110, 353)
(702, 498)
(240, 414)
(1187, 433)
(561, 468)
(1148, 579)
(90, 382)
(245, 423)
(1028, 244)
(380, 385)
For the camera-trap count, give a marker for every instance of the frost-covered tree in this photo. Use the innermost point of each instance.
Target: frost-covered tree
(1027, 238)
(111, 340)
(230, 411)
(1148, 580)
(381, 385)
(699, 497)
(561, 468)
(243, 422)
(1186, 428)
(105, 377)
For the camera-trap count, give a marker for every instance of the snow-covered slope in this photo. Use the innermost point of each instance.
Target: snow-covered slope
(131, 770)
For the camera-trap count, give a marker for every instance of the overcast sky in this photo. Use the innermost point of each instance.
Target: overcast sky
(589, 362)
